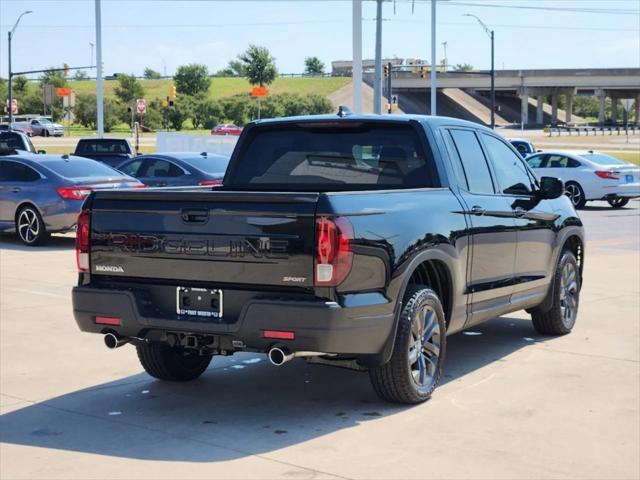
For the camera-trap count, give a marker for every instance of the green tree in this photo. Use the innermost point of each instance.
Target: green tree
(80, 75)
(313, 66)
(258, 66)
(20, 84)
(463, 67)
(53, 77)
(128, 89)
(85, 111)
(151, 74)
(237, 109)
(192, 79)
(237, 67)
(225, 72)
(3, 89)
(204, 112)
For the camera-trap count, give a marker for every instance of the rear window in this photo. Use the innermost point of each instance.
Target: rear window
(602, 159)
(350, 156)
(103, 146)
(15, 141)
(80, 168)
(209, 164)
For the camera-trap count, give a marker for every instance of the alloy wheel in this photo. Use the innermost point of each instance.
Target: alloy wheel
(569, 294)
(424, 348)
(574, 193)
(28, 225)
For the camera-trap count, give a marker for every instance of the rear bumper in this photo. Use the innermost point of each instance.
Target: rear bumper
(319, 326)
(624, 190)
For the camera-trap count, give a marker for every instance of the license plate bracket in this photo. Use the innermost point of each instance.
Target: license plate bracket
(204, 303)
(628, 178)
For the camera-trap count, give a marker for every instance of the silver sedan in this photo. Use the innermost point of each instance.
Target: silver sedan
(43, 194)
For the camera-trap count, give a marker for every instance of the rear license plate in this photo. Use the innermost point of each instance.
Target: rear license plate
(199, 302)
(628, 178)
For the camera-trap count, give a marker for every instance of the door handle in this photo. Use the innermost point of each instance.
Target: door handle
(519, 212)
(16, 189)
(195, 216)
(477, 210)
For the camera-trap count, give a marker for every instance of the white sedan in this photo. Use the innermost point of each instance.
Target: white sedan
(590, 176)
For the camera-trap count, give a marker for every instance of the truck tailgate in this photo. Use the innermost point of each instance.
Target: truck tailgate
(217, 237)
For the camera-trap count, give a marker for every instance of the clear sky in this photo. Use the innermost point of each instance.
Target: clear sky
(163, 34)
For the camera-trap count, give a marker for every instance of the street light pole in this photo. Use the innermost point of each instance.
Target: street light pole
(9, 36)
(377, 81)
(491, 35)
(434, 81)
(99, 88)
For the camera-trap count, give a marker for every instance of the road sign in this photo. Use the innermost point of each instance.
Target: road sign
(627, 103)
(141, 106)
(259, 92)
(14, 106)
(69, 101)
(63, 91)
(48, 94)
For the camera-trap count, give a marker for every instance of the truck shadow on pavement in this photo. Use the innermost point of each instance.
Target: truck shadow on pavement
(241, 406)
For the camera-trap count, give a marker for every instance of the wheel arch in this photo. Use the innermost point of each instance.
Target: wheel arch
(26, 203)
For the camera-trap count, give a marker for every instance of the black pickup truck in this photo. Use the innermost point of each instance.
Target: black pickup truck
(110, 151)
(353, 240)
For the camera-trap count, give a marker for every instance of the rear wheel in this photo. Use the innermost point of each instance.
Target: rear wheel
(561, 318)
(45, 133)
(618, 202)
(575, 194)
(414, 370)
(171, 363)
(30, 226)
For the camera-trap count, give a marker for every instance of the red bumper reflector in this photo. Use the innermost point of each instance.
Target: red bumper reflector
(108, 321)
(279, 334)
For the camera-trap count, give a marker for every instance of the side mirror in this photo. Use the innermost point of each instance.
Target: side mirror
(42, 152)
(551, 187)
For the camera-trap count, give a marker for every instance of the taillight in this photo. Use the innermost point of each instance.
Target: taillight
(608, 174)
(74, 193)
(83, 232)
(210, 183)
(333, 251)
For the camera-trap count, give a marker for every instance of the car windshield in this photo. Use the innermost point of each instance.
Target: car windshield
(332, 157)
(44, 120)
(602, 159)
(80, 168)
(209, 164)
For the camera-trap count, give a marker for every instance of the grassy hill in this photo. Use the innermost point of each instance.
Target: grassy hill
(225, 87)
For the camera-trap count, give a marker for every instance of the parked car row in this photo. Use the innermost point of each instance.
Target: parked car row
(36, 127)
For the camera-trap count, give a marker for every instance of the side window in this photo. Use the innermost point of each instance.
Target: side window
(474, 162)
(535, 161)
(522, 148)
(573, 163)
(17, 172)
(131, 168)
(509, 168)
(558, 161)
(455, 160)
(161, 168)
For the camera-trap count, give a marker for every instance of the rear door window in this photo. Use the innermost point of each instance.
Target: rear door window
(17, 172)
(537, 161)
(333, 156)
(155, 167)
(473, 160)
(131, 168)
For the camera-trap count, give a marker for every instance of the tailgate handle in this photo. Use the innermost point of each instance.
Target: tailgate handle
(200, 215)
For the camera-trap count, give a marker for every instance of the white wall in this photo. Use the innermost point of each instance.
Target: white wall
(183, 142)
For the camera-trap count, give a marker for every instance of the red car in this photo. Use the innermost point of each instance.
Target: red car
(226, 129)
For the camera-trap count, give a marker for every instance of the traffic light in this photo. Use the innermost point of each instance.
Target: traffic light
(386, 71)
(173, 93)
(423, 72)
(65, 72)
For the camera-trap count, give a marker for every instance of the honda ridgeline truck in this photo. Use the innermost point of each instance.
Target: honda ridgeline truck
(353, 240)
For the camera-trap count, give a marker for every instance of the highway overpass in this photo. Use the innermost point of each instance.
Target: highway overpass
(528, 85)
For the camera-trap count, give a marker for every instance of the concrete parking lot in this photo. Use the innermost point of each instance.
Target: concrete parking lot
(513, 404)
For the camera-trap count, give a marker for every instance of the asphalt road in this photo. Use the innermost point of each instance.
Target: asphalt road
(513, 404)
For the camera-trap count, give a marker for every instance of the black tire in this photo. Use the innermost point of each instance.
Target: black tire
(561, 318)
(171, 363)
(576, 194)
(618, 202)
(30, 227)
(402, 380)
(45, 133)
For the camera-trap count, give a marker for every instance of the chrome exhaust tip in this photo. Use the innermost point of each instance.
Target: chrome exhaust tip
(279, 356)
(112, 341)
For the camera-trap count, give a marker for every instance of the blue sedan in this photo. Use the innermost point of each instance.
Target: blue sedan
(177, 169)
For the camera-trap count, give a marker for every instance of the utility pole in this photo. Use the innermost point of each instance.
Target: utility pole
(357, 56)
(377, 82)
(389, 92)
(491, 35)
(9, 36)
(444, 44)
(91, 44)
(99, 87)
(434, 81)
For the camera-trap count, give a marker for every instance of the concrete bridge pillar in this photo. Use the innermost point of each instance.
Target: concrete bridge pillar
(568, 107)
(614, 110)
(524, 107)
(554, 109)
(601, 99)
(637, 108)
(540, 110)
